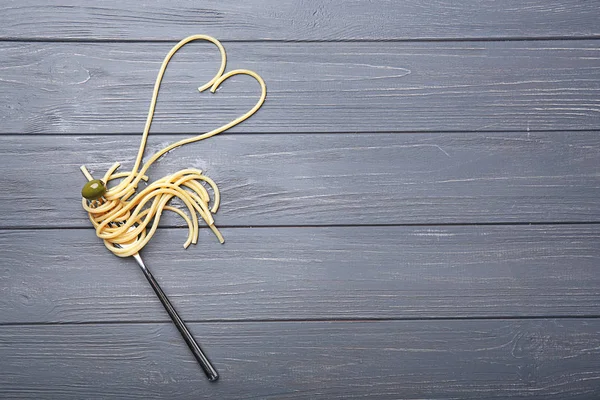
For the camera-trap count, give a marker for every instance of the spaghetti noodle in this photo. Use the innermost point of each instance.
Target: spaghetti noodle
(127, 223)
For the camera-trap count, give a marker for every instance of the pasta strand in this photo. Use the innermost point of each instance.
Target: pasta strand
(130, 222)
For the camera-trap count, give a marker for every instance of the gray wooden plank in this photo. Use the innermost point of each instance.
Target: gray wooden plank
(313, 87)
(323, 179)
(306, 273)
(297, 20)
(540, 359)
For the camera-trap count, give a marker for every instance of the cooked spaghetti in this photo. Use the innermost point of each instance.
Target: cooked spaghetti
(127, 220)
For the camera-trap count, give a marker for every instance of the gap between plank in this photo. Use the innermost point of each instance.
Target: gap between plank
(353, 40)
(399, 132)
(432, 224)
(302, 320)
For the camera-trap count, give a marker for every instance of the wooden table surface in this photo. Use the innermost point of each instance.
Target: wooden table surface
(413, 214)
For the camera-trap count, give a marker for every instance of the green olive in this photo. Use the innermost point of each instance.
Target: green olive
(93, 190)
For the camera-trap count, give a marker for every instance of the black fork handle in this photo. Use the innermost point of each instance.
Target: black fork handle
(209, 370)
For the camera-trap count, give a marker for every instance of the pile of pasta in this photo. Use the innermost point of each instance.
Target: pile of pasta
(126, 219)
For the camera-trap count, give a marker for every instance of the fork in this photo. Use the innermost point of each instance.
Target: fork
(209, 370)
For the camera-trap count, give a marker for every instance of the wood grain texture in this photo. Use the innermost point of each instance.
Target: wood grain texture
(326, 179)
(306, 273)
(313, 87)
(297, 20)
(540, 359)
(359, 259)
